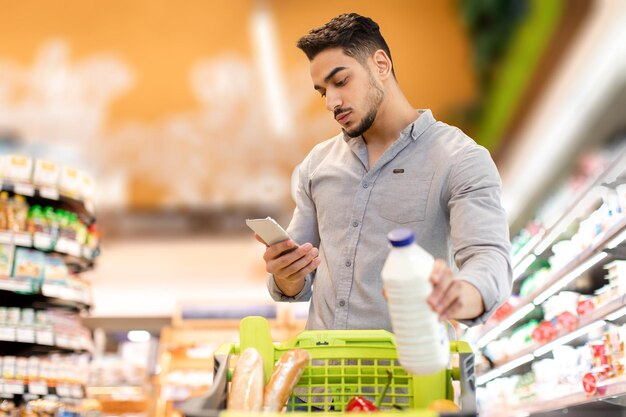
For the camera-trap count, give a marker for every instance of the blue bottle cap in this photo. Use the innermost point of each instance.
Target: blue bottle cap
(401, 237)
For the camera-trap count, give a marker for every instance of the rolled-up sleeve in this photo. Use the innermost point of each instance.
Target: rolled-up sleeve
(302, 229)
(479, 229)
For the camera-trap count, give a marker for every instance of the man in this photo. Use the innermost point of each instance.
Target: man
(392, 166)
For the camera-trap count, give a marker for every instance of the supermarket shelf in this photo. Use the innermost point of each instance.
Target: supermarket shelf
(585, 324)
(611, 391)
(54, 197)
(33, 349)
(572, 269)
(41, 388)
(10, 298)
(77, 257)
(584, 199)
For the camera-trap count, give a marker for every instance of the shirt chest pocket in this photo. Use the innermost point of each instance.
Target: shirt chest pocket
(402, 198)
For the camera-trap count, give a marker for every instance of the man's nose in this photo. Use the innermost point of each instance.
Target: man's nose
(333, 101)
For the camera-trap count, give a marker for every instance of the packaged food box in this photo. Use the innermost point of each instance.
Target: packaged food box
(6, 259)
(46, 173)
(55, 269)
(28, 263)
(70, 181)
(19, 168)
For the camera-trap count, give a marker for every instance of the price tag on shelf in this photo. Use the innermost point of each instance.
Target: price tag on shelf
(66, 293)
(61, 245)
(43, 241)
(25, 335)
(13, 386)
(77, 391)
(51, 290)
(74, 295)
(63, 341)
(14, 285)
(63, 390)
(50, 193)
(6, 238)
(74, 343)
(23, 239)
(74, 248)
(24, 189)
(45, 337)
(38, 387)
(7, 333)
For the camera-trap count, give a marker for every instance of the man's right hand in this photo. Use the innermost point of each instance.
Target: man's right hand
(290, 263)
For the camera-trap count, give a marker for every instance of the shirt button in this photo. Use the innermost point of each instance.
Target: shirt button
(355, 224)
(342, 303)
(365, 185)
(348, 263)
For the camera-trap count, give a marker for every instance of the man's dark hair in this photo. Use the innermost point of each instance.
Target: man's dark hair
(357, 35)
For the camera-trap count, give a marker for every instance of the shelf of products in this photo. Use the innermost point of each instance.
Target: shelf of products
(552, 282)
(572, 378)
(49, 181)
(48, 236)
(539, 235)
(540, 350)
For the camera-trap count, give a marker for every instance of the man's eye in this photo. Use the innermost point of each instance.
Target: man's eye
(342, 82)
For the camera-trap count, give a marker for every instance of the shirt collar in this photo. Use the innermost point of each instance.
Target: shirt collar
(415, 129)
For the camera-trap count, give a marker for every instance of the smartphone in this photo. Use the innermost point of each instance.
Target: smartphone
(267, 228)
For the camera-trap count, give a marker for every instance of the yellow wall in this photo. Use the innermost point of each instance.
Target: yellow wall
(160, 41)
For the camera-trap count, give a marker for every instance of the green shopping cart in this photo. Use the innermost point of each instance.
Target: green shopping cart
(343, 364)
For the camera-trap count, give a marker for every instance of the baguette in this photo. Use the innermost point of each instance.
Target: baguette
(246, 387)
(285, 376)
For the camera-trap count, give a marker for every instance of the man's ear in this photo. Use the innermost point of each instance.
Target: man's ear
(383, 64)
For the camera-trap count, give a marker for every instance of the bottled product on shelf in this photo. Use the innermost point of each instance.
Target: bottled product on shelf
(17, 216)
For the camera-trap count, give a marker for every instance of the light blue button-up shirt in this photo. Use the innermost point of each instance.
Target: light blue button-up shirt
(434, 180)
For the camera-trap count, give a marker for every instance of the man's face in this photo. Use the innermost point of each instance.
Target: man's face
(352, 92)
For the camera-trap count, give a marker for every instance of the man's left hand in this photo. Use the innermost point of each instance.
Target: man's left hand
(453, 298)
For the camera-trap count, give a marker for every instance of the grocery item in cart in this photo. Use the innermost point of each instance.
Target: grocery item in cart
(246, 388)
(421, 338)
(285, 376)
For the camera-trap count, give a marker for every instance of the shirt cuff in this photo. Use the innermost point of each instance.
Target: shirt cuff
(277, 294)
(489, 298)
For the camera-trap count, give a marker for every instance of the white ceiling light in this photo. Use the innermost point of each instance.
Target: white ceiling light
(265, 42)
(138, 336)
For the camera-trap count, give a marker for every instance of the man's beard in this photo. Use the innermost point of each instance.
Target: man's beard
(375, 97)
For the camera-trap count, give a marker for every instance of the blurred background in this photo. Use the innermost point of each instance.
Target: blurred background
(192, 116)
